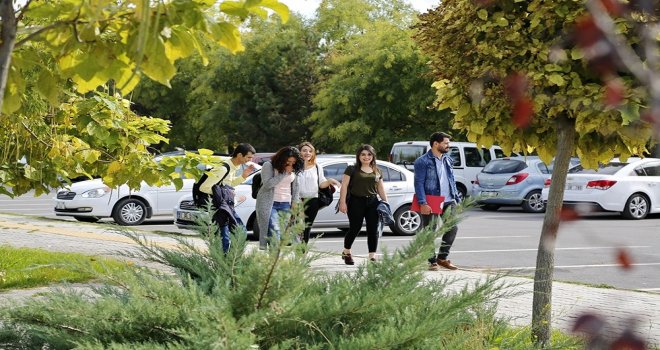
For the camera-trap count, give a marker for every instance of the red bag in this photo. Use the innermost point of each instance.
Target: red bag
(435, 202)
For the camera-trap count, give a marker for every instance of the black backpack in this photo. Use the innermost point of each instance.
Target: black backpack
(256, 184)
(201, 198)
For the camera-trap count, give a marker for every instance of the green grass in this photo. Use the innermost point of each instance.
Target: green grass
(28, 267)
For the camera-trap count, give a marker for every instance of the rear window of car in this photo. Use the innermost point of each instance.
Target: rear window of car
(504, 166)
(407, 154)
(605, 169)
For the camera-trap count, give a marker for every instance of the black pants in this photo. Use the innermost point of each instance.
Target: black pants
(311, 209)
(360, 209)
(447, 238)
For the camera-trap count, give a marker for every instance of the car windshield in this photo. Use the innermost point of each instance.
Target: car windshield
(605, 169)
(407, 154)
(504, 166)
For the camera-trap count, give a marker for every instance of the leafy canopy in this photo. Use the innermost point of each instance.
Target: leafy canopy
(474, 48)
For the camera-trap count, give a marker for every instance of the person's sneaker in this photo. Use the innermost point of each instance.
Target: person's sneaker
(447, 264)
(348, 259)
(434, 267)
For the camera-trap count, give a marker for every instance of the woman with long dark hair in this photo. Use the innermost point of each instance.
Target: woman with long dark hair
(309, 182)
(361, 184)
(279, 190)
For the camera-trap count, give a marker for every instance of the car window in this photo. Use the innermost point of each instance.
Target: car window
(485, 153)
(544, 169)
(473, 157)
(334, 171)
(606, 169)
(390, 174)
(652, 169)
(407, 154)
(455, 155)
(504, 166)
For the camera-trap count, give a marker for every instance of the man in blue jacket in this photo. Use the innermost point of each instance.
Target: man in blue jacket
(434, 175)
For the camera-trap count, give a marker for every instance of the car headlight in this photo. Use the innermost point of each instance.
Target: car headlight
(96, 193)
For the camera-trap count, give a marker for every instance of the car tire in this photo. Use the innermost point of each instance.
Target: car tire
(490, 207)
(637, 207)
(129, 212)
(406, 221)
(462, 191)
(533, 202)
(91, 219)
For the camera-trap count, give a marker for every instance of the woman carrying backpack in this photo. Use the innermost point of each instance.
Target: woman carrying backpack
(360, 185)
(279, 190)
(309, 181)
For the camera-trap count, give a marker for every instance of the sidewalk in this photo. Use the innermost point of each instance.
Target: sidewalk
(620, 308)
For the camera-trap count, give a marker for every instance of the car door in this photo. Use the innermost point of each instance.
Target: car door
(396, 187)
(652, 182)
(327, 216)
(167, 196)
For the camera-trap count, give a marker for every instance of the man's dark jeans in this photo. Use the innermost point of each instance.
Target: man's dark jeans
(447, 238)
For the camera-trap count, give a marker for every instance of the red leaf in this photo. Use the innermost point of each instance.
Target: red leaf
(628, 341)
(568, 214)
(515, 85)
(589, 324)
(613, 7)
(523, 110)
(614, 91)
(586, 32)
(623, 258)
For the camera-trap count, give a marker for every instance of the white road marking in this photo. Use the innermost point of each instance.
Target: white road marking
(571, 267)
(382, 239)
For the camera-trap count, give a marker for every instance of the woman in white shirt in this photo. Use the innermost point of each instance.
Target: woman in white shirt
(279, 190)
(309, 182)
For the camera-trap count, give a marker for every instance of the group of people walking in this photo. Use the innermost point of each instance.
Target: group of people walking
(293, 177)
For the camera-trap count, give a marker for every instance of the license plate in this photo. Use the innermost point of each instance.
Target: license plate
(489, 194)
(60, 205)
(186, 216)
(574, 187)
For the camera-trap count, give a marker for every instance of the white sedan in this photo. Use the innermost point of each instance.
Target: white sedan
(631, 188)
(399, 186)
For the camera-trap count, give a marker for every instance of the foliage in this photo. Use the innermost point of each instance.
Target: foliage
(28, 268)
(378, 91)
(66, 47)
(264, 300)
(474, 48)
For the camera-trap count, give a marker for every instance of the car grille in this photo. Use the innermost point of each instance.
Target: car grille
(188, 205)
(66, 195)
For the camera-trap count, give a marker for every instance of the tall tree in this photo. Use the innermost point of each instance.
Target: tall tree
(48, 47)
(497, 66)
(377, 90)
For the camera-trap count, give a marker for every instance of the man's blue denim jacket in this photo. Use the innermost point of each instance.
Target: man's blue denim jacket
(426, 177)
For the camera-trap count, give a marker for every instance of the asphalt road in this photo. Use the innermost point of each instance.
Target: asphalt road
(587, 250)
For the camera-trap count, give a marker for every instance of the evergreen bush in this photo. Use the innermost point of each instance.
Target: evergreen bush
(251, 299)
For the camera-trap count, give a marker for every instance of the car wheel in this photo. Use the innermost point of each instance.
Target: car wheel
(533, 202)
(490, 207)
(462, 191)
(406, 221)
(91, 219)
(129, 212)
(637, 207)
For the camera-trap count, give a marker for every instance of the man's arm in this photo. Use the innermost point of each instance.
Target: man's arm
(215, 175)
(420, 179)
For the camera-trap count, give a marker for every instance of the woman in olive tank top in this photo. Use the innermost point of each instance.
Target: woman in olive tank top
(362, 184)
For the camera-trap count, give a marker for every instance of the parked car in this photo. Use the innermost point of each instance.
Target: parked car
(631, 188)
(92, 200)
(468, 159)
(513, 182)
(398, 184)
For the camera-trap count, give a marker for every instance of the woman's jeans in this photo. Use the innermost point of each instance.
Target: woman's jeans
(279, 209)
(362, 209)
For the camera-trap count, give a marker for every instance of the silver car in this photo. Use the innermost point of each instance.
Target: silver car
(398, 182)
(512, 182)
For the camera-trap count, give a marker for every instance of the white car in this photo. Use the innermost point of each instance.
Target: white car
(91, 200)
(399, 185)
(631, 188)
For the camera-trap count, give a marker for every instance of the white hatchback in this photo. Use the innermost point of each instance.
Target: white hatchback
(399, 185)
(631, 188)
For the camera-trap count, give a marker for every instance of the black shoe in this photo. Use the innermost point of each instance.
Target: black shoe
(348, 259)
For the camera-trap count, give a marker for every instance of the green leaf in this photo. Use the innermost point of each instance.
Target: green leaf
(234, 8)
(556, 79)
(482, 14)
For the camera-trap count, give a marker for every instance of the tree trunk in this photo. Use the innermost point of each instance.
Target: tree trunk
(545, 258)
(8, 36)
